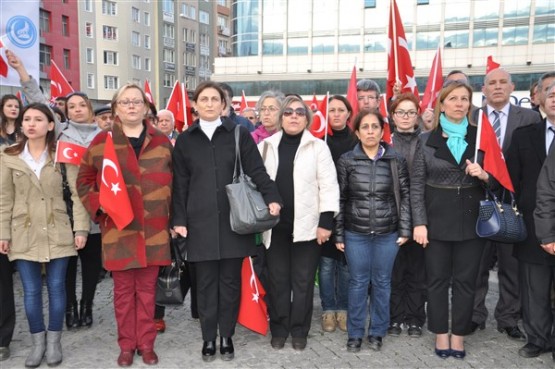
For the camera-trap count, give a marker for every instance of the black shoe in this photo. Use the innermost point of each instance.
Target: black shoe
(458, 354)
(414, 331)
(299, 343)
(209, 351)
(513, 333)
(375, 342)
(395, 329)
(72, 316)
(530, 350)
(278, 342)
(475, 326)
(443, 354)
(354, 344)
(226, 348)
(85, 313)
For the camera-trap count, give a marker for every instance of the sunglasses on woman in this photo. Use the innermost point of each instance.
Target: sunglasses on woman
(301, 112)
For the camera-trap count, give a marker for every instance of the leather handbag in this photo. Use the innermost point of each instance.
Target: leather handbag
(173, 280)
(499, 221)
(248, 212)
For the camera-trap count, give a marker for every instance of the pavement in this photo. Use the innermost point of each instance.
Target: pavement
(180, 345)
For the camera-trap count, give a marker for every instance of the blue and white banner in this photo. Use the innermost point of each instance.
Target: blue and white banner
(20, 33)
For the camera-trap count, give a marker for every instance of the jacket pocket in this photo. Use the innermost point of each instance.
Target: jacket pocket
(62, 228)
(20, 234)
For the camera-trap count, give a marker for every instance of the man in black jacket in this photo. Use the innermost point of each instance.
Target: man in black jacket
(525, 158)
(505, 119)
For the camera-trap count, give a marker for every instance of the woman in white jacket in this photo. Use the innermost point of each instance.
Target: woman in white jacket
(303, 169)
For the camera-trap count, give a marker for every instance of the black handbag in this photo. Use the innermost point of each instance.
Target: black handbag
(173, 280)
(500, 221)
(248, 211)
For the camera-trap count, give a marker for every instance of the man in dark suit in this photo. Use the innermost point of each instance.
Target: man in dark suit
(505, 119)
(525, 158)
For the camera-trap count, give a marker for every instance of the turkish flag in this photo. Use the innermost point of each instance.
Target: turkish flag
(491, 65)
(435, 83)
(253, 312)
(314, 103)
(243, 102)
(386, 128)
(67, 152)
(148, 92)
(320, 126)
(494, 162)
(399, 65)
(352, 96)
(113, 196)
(59, 86)
(176, 104)
(3, 64)
(188, 110)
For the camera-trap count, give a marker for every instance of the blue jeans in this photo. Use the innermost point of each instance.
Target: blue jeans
(334, 284)
(370, 259)
(31, 278)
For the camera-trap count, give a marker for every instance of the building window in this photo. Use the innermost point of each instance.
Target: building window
(147, 42)
(110, 57)
(169, 30)
(169, 80)
(89, 29)
(90, 80)
(485, 37)
(67, 57)
(109, 33)
(222, 3)
(203, 17)
(169, 56)
(111, 82)
(427, 40)
(65, 25)
(135, 38)
(515, 36)
(544, 7)
(109, 7)
(45, 54)
(90, 55)
(297, 46)
(190, 59)
(147, 18)
(44, 21)
(135, 15)
(88, 5)
(136, 62)
(544, 33)
(455, 39)
(369, 3)
(147, 64)
(190, 35)
(422, 2)
(168, 6)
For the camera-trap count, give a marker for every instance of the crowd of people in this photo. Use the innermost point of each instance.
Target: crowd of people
(387, 228)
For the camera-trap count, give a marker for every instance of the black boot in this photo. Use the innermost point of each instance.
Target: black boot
(85, 313)
(72, 316)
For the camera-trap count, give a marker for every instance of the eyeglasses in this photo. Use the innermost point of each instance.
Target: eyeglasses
(152, 118)
(301, 112)
(251, 118)
(269, 109)
(136, 102)
(402, 113)
(362, 98)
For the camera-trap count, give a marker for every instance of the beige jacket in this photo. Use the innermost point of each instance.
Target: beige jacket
(33, 212)
(315, 183)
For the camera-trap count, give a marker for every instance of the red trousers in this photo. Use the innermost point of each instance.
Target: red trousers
(134, 301)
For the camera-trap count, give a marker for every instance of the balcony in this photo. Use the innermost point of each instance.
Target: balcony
(224, 31)
(169, 42)
(169, 66)
(190, 47)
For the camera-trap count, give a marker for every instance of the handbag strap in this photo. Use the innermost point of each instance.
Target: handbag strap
(176, 254)
(493, 196)
(237, 155)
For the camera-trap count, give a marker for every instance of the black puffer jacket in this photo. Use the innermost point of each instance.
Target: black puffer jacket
(367, 199)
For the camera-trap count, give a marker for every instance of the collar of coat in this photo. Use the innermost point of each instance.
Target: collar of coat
(307, 138)
(358, 152)
(227, 123)
(439, 143)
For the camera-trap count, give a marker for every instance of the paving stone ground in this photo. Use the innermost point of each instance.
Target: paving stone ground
(180, 345)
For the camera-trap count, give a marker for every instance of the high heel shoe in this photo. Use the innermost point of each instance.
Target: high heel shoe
(457, 354)
(443, 354)
(85, 313)
(72, 316)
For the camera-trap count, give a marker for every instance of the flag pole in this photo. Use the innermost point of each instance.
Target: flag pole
(436, 59)
(478, 134)
(394, 48)
(326, 129)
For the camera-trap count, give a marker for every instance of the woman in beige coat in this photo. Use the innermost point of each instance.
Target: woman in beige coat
(35, 229)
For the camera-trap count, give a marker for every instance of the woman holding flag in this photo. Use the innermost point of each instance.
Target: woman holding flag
(125, 183)
(446, 186)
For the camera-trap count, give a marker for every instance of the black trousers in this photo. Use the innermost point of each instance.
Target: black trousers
(91, 263)
(218, 296)
(536, 282)
(507, 311)
(290, 283)
(7, 306)
(408, 285)
(452, 263)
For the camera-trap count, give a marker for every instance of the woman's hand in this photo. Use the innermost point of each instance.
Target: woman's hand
(420, 235)
(402, 240)
(475, 170)
(428, 119)
(274, 208)
(13, 60)
(180, 230)
(322, 235)
(4, 247)
(549, 248)
(80, 242)
(340, 246)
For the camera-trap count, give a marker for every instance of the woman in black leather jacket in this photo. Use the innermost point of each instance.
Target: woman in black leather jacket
(446, 188)
(374, 220)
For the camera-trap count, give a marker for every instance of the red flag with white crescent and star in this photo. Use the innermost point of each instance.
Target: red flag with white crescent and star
(67, 152)
(59, 86)
(3, 64)
(320, 126)
(253, 312)
(386, 128)
(148, 92)
(113, 195)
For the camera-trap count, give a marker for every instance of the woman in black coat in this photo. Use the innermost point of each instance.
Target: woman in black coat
(204, 158)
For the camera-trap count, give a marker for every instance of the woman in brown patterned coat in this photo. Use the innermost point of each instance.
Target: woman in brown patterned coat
(135, 253)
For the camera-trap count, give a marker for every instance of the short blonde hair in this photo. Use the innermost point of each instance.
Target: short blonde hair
(445, 91)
